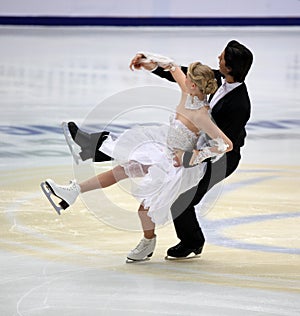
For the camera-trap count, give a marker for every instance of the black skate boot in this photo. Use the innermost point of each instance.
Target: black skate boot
(89, 143)
(180, 252)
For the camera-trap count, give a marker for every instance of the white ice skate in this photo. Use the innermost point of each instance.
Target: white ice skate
(143, 251)
(70, 142)
(67, 193)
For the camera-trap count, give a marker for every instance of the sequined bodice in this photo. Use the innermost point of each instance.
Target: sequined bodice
(180, 137)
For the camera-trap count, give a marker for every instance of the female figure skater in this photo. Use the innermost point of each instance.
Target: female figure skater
(154, 154)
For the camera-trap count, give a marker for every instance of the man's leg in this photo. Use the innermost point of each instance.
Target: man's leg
(187, 226)
(89, 143)
(183, 211)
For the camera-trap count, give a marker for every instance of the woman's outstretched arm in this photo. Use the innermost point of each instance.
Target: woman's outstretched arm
(180, 77)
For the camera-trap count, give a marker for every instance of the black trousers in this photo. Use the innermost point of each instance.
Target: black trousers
(186, 224)
(184, 217)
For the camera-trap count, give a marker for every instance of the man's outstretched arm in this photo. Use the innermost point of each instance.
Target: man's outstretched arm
(159, 71)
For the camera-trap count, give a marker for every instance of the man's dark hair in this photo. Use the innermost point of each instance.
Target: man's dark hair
(239, 58)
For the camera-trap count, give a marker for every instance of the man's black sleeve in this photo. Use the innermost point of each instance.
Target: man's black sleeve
(166, 74)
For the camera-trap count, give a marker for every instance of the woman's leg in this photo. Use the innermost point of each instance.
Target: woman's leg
(145, 248)
(147, 224)
(69, 193)
(103, 180)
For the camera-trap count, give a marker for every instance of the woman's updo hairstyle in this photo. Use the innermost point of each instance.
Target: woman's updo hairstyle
(203, 77)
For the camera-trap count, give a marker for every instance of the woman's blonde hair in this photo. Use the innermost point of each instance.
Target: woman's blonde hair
(203, 77)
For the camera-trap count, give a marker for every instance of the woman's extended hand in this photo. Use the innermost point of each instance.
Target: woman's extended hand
(177, 158)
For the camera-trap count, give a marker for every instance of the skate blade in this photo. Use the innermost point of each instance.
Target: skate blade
(70, 142)
(48, 192)
(128, 260)
(168, 258)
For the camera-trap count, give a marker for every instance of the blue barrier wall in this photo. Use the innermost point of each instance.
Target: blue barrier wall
(150, 12)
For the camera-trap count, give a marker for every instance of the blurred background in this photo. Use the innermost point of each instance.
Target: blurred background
(65, 60)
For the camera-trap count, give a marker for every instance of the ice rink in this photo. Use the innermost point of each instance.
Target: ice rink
(74, 264)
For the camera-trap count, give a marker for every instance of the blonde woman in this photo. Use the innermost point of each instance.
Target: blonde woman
(154, 154)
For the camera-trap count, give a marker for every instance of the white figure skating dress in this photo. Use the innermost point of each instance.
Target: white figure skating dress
(153, 146)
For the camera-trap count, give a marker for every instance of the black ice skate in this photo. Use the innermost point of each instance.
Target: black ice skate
(66, 193)
(180, 252)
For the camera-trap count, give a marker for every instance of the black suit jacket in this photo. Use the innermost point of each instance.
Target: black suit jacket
(231, 114)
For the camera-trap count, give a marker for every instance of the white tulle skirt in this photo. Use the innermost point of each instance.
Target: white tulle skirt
(163, 183)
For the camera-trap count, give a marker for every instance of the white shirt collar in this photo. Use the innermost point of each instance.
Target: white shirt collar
(225, 88)
(229, 85)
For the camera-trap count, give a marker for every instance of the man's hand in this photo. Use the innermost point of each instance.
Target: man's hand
(138, 61)
(194, 159)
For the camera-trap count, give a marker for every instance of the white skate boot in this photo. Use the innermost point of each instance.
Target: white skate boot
(143, 251)
(67, 193)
